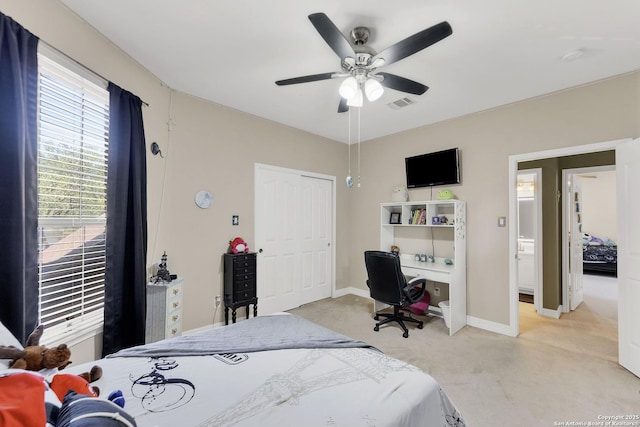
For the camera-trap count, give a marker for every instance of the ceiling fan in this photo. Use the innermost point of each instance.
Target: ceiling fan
(359, 64)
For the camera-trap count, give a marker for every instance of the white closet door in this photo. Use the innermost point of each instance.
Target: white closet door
(628, 177)
(294, 230)
(315, 235)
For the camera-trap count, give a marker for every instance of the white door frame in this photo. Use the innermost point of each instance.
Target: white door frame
(627, 160)
(566, 217)
(514, 321)
(537, 243)
(333, 213)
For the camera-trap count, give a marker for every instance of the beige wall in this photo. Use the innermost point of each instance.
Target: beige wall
(209, 147)
(599, 205)
(215, 148)
(594, 113)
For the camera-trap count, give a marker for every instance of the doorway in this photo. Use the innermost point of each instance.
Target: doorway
(514, 160)
(529, 190)
(589, 210)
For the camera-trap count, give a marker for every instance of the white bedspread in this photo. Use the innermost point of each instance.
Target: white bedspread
(348, 387)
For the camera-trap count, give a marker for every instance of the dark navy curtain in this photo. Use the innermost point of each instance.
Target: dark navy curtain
(18, 178)
(125, 275)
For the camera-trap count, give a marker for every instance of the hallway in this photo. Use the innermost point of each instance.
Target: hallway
(592, 327)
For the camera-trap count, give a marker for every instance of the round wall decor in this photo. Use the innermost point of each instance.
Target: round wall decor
(203, 199)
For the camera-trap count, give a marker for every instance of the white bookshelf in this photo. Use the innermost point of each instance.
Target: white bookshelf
(450, 224)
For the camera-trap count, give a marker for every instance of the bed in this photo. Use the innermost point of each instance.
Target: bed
(599, 255)
(271, 371)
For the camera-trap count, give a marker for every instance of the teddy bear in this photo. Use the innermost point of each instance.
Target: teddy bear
(35, 357)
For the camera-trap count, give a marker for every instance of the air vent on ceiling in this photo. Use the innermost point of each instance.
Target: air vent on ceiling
(401, 103)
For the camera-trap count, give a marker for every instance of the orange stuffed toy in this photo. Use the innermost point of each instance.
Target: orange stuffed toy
(62, 383)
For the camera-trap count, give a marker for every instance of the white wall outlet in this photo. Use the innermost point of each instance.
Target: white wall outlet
(218, 301)
(436, 291)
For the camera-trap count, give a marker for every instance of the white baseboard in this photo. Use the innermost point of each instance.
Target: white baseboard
(476, 322)
(487, 325)
(552, 313)
(351, 290)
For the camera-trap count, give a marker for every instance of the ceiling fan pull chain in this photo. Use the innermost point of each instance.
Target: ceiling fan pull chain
(349, 179)
(358, 184)
(349, 141)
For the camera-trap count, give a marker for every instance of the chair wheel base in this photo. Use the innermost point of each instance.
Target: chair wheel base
(406, 334)
(376, 317)
(420, 326)
(376, 328)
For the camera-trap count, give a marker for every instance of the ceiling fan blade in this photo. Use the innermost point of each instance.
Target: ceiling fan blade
(415, 43)
(342, 106)
(402, 84)
(332, 35)
(305, 79)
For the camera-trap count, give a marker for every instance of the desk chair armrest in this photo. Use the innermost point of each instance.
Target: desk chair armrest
(413, 291)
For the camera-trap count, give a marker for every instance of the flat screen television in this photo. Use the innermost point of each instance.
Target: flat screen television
(437, 168)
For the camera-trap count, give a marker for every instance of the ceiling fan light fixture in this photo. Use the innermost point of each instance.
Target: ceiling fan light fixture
(373, 89)
(377, 63)
(348, 88)
(356, 100)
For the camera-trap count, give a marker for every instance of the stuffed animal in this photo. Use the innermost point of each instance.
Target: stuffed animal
(62, 383)
(34, 356)
(238, 245)
(445, 195)
(399, 193)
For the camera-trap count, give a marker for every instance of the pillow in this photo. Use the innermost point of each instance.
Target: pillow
(34, 405)
(7, 338)
(87, 411)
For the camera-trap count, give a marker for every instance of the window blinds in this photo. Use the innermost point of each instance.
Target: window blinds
(73, 127)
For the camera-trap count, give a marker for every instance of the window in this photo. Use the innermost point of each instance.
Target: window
(73, 139)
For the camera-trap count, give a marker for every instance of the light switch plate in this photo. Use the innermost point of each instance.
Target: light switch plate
(502, 221)
(235, 220)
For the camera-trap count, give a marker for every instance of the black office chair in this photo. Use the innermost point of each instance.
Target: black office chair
(388, 285)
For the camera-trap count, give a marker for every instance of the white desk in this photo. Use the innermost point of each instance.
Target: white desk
(439, 272)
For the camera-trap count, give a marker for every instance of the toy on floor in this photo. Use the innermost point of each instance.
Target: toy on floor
(421, 306)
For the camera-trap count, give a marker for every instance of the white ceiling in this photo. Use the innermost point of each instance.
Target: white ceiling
(501, 51)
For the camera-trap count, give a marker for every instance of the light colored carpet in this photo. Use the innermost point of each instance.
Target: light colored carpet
(555, 371)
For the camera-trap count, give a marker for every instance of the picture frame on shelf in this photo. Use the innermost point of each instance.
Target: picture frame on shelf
(395, 218)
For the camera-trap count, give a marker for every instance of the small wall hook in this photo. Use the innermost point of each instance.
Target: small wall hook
(155, 149)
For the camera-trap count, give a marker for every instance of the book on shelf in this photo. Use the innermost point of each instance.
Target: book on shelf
(423, 217)
(418, 217)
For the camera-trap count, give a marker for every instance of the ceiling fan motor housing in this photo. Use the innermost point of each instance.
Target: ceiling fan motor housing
(360, 35)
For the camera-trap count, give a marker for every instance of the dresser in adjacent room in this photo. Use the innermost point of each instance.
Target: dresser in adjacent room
(239, 284)
(164, 310)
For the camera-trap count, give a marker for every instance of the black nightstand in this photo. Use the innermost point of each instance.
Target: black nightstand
(239, 284)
